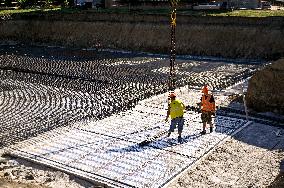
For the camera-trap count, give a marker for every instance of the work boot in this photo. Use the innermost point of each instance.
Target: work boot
(203, 132)
(179, 139)
(169, 134)
(211, 129)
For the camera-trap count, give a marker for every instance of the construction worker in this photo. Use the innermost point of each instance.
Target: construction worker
(175, 110)
(207, 109)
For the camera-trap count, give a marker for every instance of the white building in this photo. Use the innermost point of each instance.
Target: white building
(245, 4)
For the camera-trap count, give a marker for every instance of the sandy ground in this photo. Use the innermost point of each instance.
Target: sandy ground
(251, 158)
(247, 160)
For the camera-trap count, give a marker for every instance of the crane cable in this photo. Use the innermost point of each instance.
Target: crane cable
(172, 84)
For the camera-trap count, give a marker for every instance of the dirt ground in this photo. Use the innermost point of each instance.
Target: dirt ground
(4, 183)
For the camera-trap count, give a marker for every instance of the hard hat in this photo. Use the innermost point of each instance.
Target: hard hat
(173, 94)
(205, 90)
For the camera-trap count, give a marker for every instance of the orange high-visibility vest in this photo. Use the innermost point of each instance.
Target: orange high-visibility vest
(206, 105)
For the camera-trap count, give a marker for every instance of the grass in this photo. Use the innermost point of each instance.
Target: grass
(250, 13)
(23, 11)
(38, 10)
(164, 11)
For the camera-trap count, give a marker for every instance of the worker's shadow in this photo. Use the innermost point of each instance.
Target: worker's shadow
(161, 143)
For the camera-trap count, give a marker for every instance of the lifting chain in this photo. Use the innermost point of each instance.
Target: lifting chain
(173, 43)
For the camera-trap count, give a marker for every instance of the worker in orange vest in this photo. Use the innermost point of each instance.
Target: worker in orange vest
(207, 109)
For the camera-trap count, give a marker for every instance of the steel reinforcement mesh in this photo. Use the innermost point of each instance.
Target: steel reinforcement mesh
(107, 150)
(42, 88)
(83, 111)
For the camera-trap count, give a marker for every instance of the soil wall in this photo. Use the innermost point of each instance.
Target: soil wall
(232, 37)
(266, 89)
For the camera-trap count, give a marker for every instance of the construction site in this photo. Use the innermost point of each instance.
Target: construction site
(88, 109)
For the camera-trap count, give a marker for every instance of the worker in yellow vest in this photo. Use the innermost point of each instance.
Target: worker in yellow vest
(175, 110)
(207, 109)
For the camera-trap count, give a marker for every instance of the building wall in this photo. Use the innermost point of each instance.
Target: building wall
(249, 4)
(111, 3)
(141, 4)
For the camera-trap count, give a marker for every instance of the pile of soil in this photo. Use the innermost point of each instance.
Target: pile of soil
(266, 89)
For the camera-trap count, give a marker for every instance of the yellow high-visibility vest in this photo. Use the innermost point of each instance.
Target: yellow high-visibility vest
(176, 109)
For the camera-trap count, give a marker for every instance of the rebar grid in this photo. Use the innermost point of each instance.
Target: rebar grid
(97, 148)
(92, 113)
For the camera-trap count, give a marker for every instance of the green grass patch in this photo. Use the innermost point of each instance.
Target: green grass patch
(25, 11)
(166, 11)
(250, 13)
(237, 13)
(39, 10)
(161, 11)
